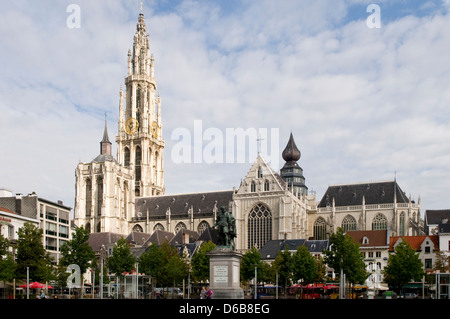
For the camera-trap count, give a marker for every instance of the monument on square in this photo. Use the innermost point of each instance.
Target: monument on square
(224, 273)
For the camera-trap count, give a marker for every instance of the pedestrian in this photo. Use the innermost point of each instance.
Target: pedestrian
(203, 293)
(42, 296)
(209, 293)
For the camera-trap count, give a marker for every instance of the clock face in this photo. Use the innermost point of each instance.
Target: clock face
(155, 129)
(131, 126)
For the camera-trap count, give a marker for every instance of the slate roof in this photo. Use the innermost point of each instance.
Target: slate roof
(96, 240)
(202, 204)
(179, 238)
(444, 229)
(434, 217)
(373, 193)
(159, 237)
(272, 247)
(138, 238)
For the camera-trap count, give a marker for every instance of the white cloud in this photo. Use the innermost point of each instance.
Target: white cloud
(362, 103)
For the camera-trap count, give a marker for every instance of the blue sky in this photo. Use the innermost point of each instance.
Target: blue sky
(363, 104)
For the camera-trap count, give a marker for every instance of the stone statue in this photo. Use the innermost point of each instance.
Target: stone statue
(226, 225)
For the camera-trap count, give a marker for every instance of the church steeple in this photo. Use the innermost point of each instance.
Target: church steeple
(291, 173)
(140, 142)
(105, 144)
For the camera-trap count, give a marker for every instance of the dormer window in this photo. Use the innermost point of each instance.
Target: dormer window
(365, 240)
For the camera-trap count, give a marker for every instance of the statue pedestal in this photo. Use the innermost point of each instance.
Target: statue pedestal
(224, 273)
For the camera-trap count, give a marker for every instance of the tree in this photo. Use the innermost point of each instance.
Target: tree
(283, 265)
(250, 260)
(200, 262)
(7, 264)
(174, 266)
(32, 254)
(403, 266)
(344, 255)
(121, 260)
(304, 266)
(77, 251)
(151, 261)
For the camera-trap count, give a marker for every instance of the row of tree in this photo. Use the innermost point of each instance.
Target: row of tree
(168, 267)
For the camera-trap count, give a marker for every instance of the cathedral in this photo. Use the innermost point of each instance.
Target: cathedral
(127, 194)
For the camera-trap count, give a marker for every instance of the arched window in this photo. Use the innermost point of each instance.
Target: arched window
(320, 229)
(99, 227)
(253, 187)
(99, 196)
(88, 197)
(180, 226)
(158, 227)
(349, 223)
(259, 226)
(88, 227)
(202, 227)
(379, 222)
(138, 159)
(126, 157)
(138, 229)
(266, 186)
(402, 224)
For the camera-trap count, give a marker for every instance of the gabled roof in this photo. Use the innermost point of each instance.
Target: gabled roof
(414, 241)
(201, 203)
(180, 237)
(138, 238)
(97, 240)
(209, 234)
(373, 193)
(267, 173)
(159, 237)
(375, 238)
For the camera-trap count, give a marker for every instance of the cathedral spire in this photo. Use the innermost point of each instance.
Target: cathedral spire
(105, 144)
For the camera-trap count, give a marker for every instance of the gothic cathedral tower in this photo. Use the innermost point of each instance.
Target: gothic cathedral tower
(106, 188)
(139, 142)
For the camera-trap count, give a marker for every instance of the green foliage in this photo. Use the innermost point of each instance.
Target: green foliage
(31, 253)
(164, 264)
(344, 254)
(77, 251)
(200, 262)
(7, 263)
(282, 265)
(304, 266)
(250, 260)
(403, 266)
(121, 259)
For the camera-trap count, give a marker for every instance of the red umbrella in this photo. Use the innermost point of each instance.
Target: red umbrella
(35, 285)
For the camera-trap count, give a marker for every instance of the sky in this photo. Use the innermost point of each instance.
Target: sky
(363, 86)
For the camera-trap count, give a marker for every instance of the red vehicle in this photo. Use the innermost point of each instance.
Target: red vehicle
(311, 291)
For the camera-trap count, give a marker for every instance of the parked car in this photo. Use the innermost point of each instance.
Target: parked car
(168, 293)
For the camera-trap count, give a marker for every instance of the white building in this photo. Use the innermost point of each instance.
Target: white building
(10, 222)
(52, 217)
